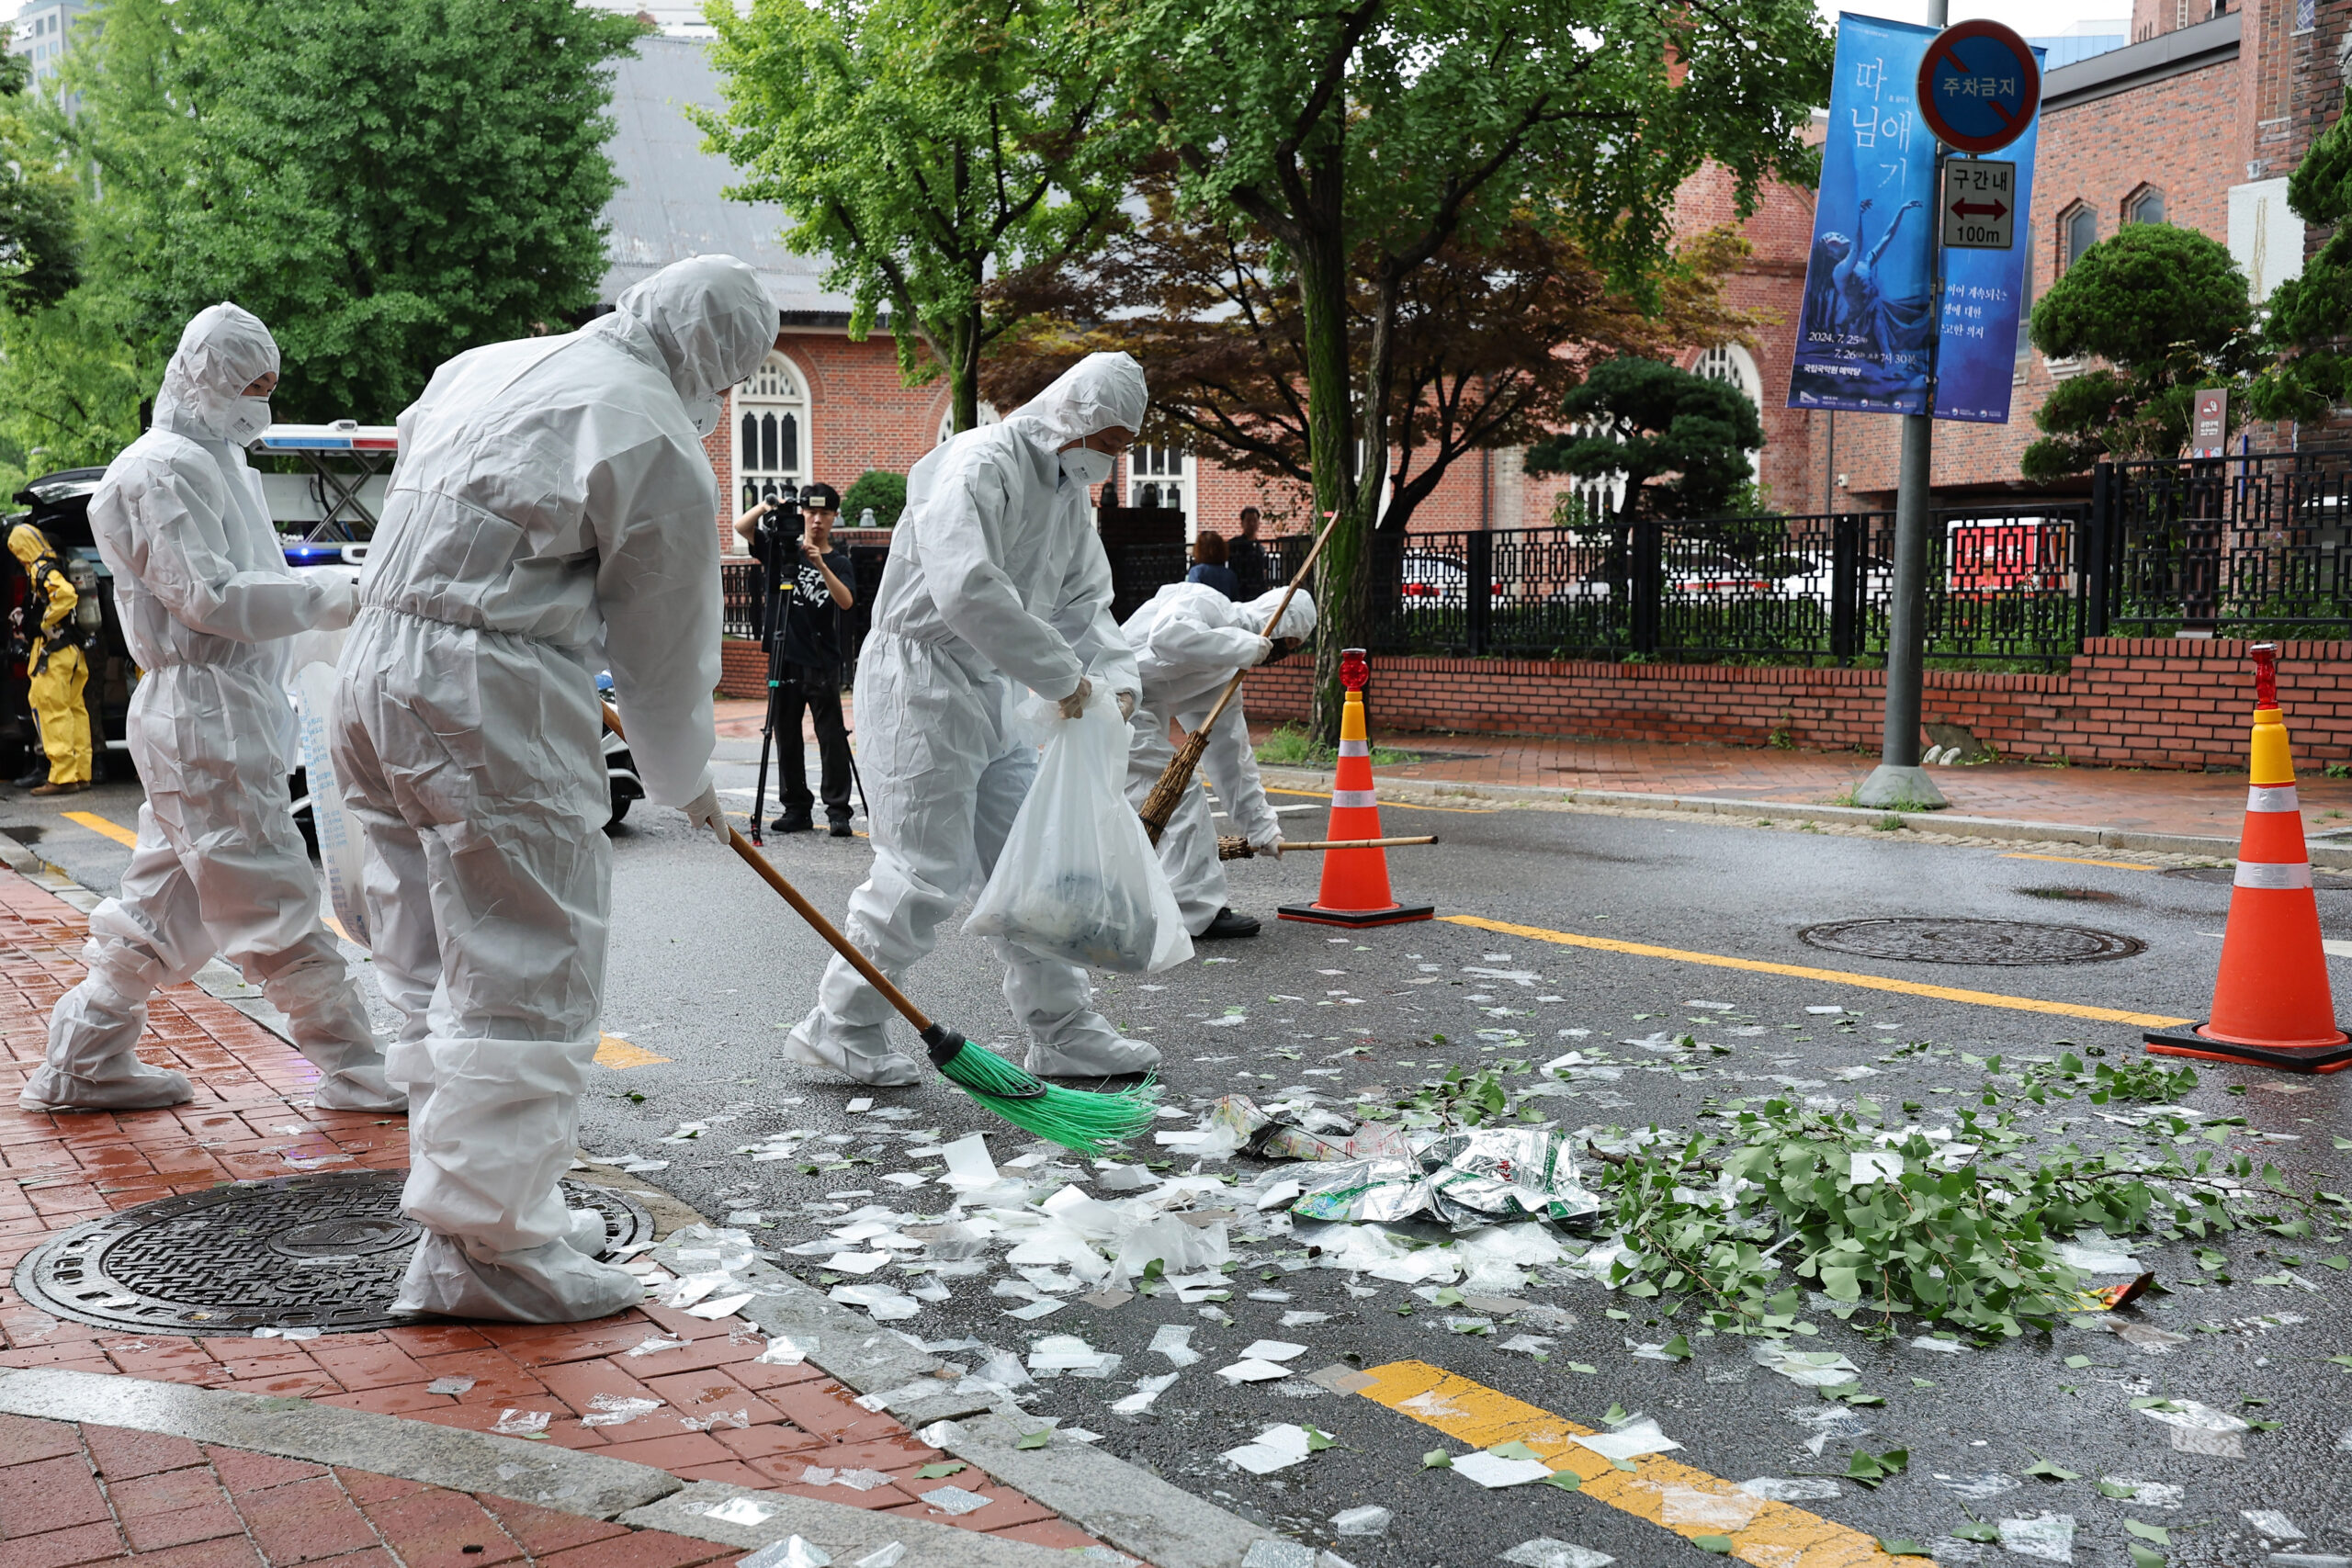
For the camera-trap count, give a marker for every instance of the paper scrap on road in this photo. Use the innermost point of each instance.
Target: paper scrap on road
(2050, 1537)
(1367, 1521)
(1273, 1350)
(792, 1551)
(1793, 1489)
(1630, 1440)
(1252, 1371)
(953, 1501)
(1493, 1471)
(1545, 1553)
(741, 1511)
(1146, 1389)
(1812, 1369)
(1276, 1447)
(1723, 1511)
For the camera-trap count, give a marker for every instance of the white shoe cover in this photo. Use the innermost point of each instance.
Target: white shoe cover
(587, 1236)
(1095, 1051)
(883, 1068)
(358, 1088)
(129, 1085)
(548, 1283)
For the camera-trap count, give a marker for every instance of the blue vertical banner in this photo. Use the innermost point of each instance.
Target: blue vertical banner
(1863, 332)
(1862, 335)
(1985, 294)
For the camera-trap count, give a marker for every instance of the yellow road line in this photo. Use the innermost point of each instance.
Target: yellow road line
(2073, 860)
(613, 1052)
(97, 824)
(1835, 977)
(1394, 804)
(1771, 1535)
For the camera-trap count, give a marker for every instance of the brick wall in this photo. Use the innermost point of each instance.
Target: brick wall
(2126, 702)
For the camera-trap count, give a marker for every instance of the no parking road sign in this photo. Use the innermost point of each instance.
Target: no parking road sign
(1978, 86)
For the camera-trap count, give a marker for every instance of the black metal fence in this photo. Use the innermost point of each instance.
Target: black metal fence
(2259, 545)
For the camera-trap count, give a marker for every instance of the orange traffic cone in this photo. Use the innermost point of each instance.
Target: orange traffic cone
(2271, 1005)
(1355, 882)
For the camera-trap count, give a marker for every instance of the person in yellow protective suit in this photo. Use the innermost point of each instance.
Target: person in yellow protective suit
(54, 663)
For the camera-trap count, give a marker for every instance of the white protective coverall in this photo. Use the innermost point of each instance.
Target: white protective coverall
(553, 513)
(996, 581)
(205, 600)
(1189, 640)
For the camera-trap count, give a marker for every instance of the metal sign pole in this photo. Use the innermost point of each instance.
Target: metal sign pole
(1899, 780)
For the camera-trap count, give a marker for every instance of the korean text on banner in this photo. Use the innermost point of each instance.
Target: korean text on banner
(1862, 335)
(1985, 297)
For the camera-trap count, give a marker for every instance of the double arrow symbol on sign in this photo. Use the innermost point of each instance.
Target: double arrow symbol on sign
(1974, 209)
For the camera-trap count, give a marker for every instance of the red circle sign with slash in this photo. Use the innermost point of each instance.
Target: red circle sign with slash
(1979, 86)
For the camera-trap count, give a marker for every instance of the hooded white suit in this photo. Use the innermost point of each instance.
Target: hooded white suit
(1189, 640)
(553, 512)
(997, 580)
(206, 602)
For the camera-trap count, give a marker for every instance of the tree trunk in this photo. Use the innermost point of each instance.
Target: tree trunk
(1341, 579)
(964, 376)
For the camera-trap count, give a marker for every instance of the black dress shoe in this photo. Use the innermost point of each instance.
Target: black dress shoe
(841, 831)
(791, 822)
(38, 776)
(1227, 924)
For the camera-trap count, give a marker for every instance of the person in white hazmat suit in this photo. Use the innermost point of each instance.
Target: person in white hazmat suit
(996, 581)
(553, 512)
(207, 604)
(1190, 640)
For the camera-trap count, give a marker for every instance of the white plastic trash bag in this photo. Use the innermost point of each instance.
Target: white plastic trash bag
(1078, 879)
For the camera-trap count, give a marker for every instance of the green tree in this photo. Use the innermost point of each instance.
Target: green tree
(886, 492)
(38, 203)
(1681, 440)
(924, 145)
(384, 182)
(2310, 316)
(1485, 339)
(1363, 136)
(2164, 312)
(70, 386)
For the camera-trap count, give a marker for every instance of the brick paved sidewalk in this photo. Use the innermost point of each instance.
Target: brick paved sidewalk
(74, 1493)
(2212, 805)
(252, 1119)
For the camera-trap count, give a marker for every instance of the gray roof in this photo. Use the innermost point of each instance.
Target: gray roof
(669, 205)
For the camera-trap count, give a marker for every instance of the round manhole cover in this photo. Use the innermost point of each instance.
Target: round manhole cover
(1929, 941)
(325, 1250)
(2321, 881)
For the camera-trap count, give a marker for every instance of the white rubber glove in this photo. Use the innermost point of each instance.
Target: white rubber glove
(1127, 704)
(1265, 650)
(702, 811)
(341, 608)
(1267, 840)
(1075, 704)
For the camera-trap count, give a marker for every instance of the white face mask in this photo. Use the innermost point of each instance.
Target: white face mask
(704, 412)
(247, 417)
(1085, 465)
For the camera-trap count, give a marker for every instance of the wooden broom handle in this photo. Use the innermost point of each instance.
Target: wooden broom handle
(1280, 610)
(808, 911)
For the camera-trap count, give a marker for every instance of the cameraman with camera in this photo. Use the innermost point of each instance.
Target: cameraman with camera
(808, 590)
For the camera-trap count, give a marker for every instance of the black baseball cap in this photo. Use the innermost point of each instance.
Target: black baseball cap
(821, 498)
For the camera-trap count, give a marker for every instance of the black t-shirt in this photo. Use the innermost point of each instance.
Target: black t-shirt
(808, 624)
(1248, 559)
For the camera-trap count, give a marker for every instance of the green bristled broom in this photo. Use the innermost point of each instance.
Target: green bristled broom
(1088, 1123)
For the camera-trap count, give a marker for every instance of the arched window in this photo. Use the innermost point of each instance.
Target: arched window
(2078, 232)
(1732, 366)
(770, 433)
(947, 419)
(2145, 205)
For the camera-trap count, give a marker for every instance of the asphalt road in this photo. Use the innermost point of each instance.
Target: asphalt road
(708, 969)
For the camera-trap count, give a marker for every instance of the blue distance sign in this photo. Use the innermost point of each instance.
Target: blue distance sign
(1979, 86)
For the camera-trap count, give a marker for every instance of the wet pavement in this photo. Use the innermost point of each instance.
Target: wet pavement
(1611, 938)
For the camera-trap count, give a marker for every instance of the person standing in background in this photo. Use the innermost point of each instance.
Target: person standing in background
(53, 662)
(809, 576)
(1248, 559)
(1209, 565)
